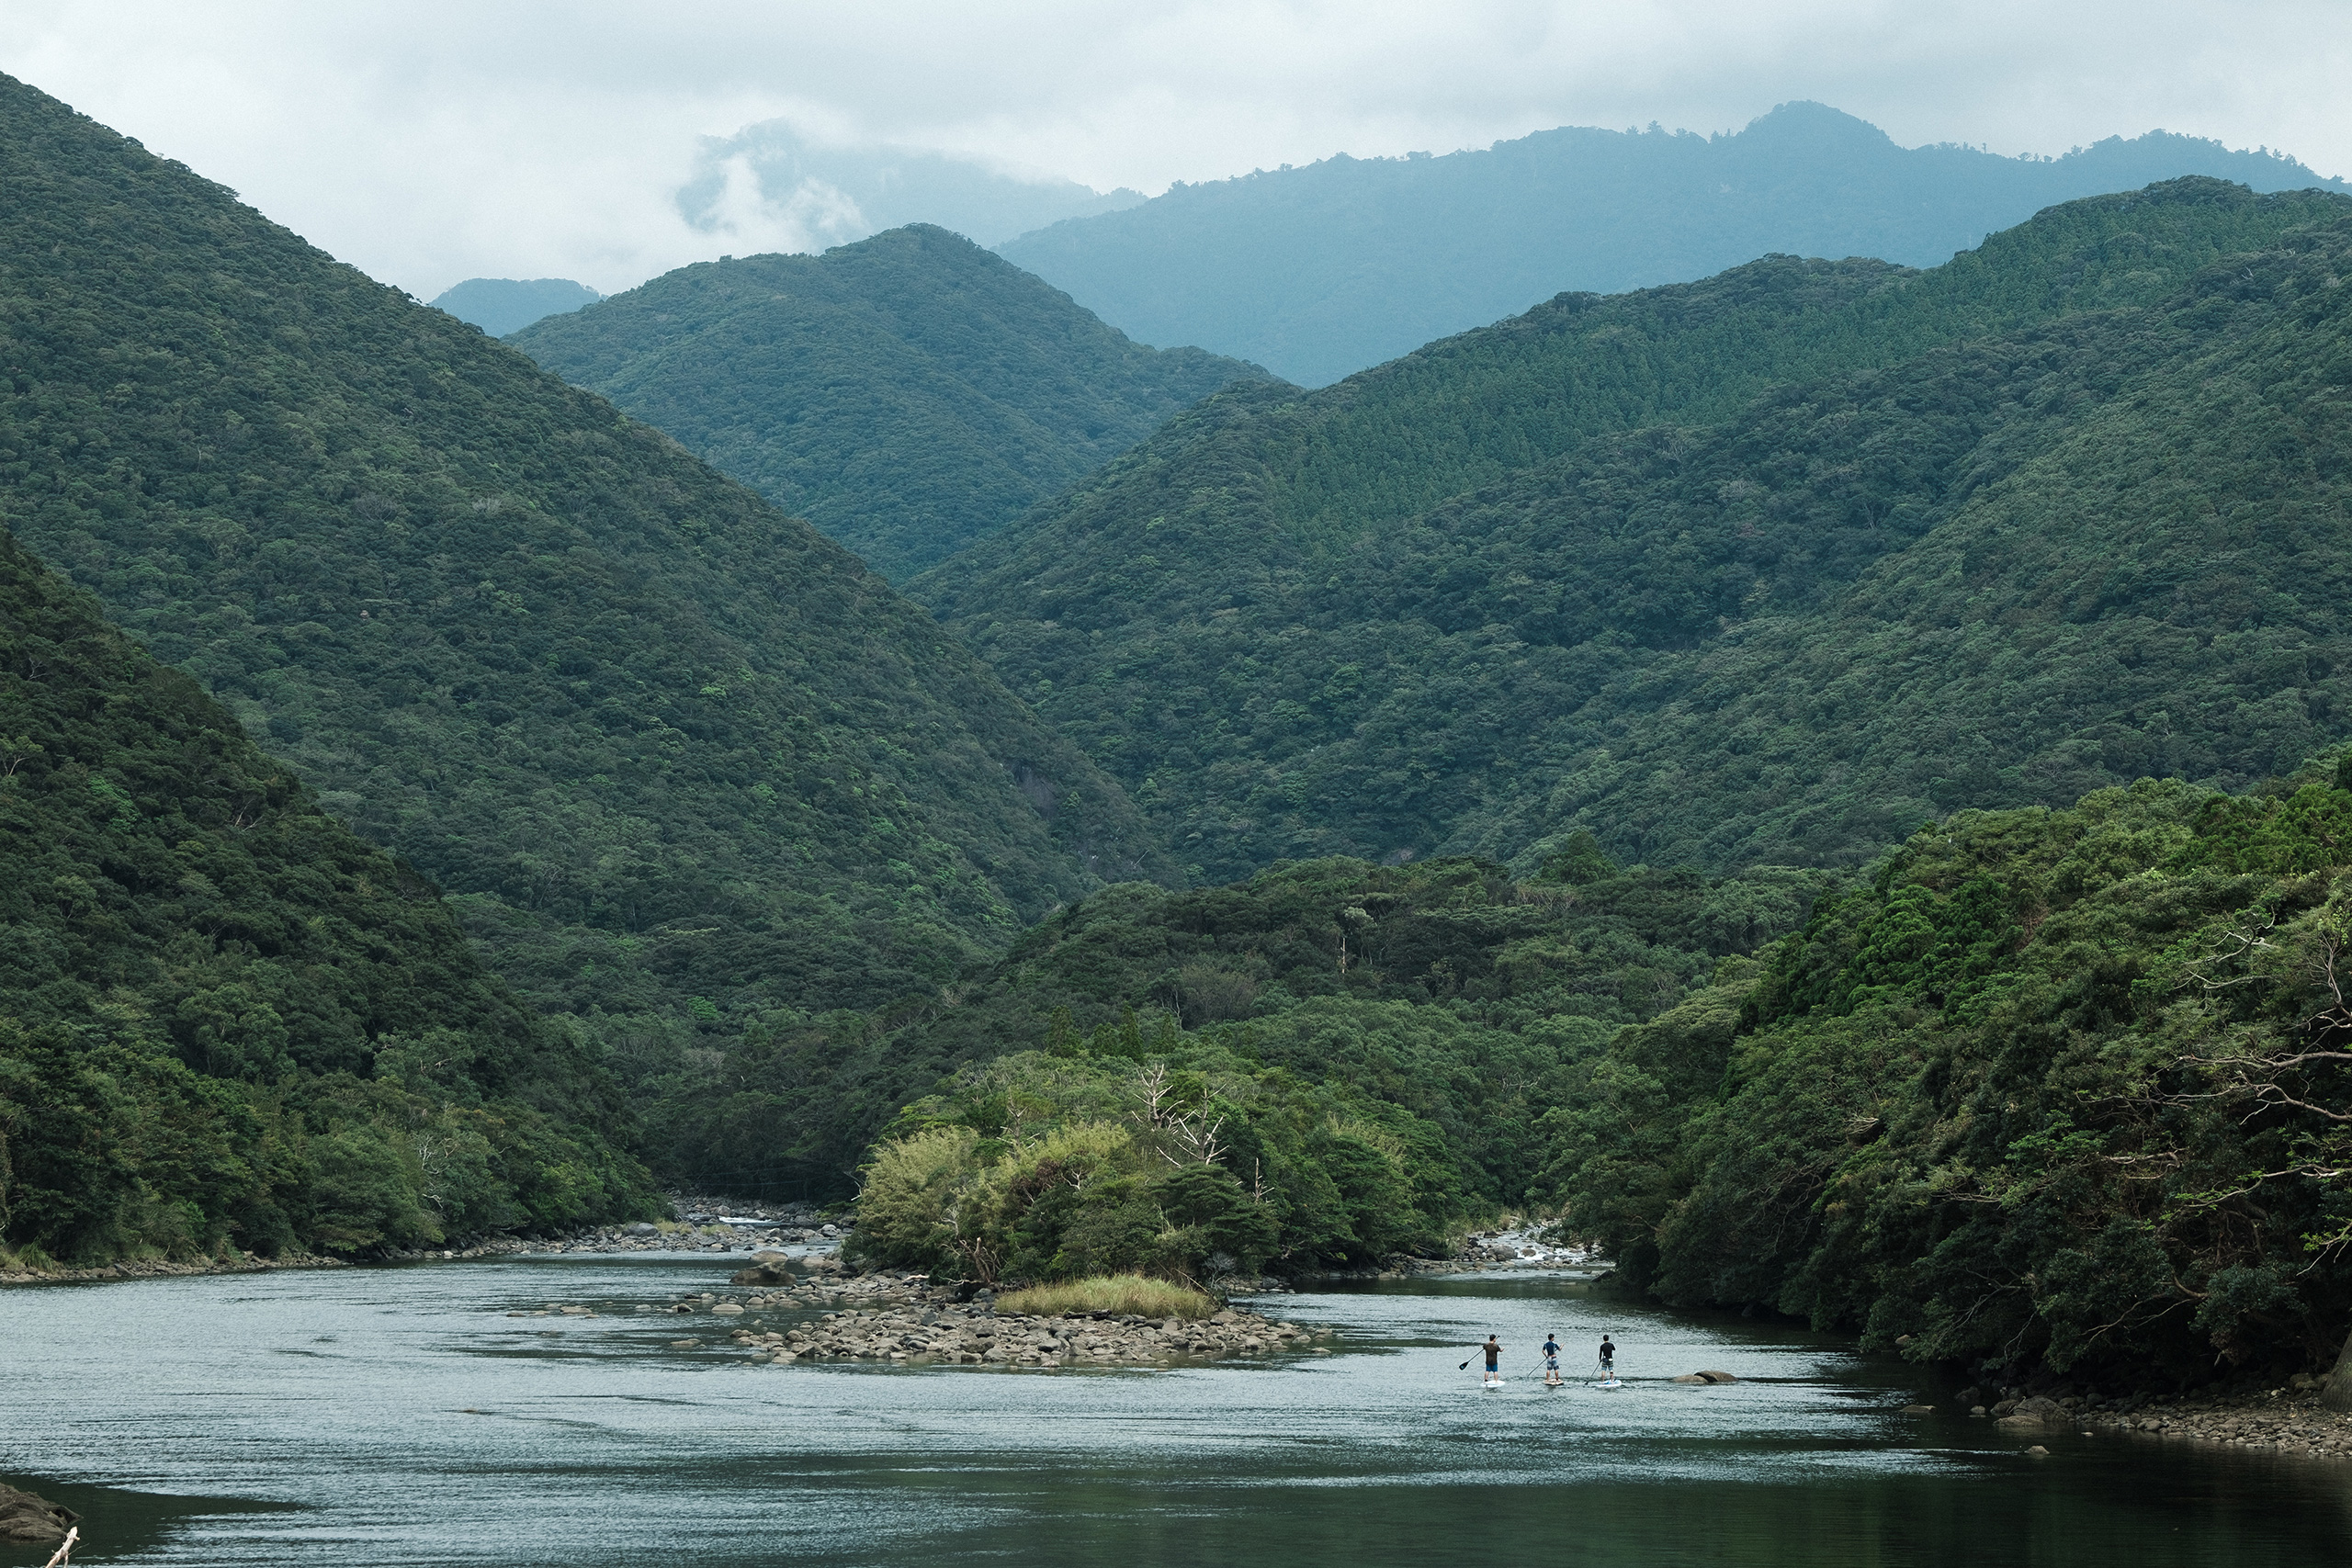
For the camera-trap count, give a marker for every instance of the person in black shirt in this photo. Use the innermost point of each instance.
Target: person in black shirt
(1494, 1359)
(1608, 1359)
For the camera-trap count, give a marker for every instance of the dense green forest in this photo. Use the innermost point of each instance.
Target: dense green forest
(2057, 1086)
(675, 751)
(1445, 990)
(907, 394)
(1453, 674)
(2100, 538)
(224, 1020)
(1319, 272)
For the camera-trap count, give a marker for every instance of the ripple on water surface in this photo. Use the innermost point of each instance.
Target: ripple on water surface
(396, 1416)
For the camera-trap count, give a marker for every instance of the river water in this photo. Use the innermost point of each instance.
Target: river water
(396, 1416)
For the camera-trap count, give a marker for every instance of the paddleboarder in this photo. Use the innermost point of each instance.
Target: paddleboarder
(1550, 1360)
(1494, 1350)
(1608, 1360)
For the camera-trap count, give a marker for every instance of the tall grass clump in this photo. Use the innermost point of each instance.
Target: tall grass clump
(1136, 1293)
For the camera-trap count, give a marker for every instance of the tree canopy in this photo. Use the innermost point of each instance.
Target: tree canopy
(1763, 569)
(226, 1020)
(665, 743)
(2058, 1087)
(907, 394)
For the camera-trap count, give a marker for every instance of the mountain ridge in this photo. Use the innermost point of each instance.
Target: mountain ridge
(1279, 666)
(1322, 271)
(661, 742)
(907, 394)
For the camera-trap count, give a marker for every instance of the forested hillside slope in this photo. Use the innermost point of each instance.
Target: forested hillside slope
(1446, 991)
(1685, 638)
(908, 394)
(2059, 1086)
(1319, 272)
(676, 747)
(223, 1018)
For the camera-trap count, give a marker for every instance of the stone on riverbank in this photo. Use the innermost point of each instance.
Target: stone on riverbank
(2035, 1414)
(26, 1517)
(768, 1269)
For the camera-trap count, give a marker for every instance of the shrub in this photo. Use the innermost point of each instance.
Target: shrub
(1110, 1292)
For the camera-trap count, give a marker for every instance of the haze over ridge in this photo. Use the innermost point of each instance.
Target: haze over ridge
(1318, 272)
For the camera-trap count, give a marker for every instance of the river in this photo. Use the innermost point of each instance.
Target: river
(395, 1415)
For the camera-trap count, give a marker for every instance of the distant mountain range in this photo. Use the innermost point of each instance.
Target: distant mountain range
(907, 394)
(1321, 271)
(501, 305)
(1768, 568)
(772, 187)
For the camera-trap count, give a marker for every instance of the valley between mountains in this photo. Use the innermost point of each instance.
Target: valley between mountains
(1830, 780)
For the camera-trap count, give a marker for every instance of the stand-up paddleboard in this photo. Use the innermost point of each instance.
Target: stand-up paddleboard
(1610, 1382)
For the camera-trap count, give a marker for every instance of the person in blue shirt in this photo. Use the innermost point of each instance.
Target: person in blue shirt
(1550, 1360)
(1608, 1360)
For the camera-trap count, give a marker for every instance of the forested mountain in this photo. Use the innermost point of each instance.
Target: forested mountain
(1446, 992)
(1776, 628)
(501, 305)
(1319, 272)
(674, 748)
(223, 1018)
(908, 394)
(2057, 1088)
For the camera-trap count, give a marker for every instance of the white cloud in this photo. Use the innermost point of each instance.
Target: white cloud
(431, 140)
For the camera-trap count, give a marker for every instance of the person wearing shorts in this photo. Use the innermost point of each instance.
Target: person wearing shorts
(1608, 1359)
(1493, 1360)
(1552, 1359)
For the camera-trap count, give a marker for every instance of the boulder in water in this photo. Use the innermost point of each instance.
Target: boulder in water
(24, 1516)
(769, 1267)
(2034, 1414)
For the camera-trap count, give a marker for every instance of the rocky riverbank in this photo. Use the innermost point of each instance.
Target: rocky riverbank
(2286, 1419)
(164, 1269)
(1479, 1252)
(922, 1333)
(901, 1318)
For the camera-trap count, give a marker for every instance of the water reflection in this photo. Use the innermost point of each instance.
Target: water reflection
(410, 1421)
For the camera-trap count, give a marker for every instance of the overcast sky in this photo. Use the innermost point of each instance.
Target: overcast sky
(429, 142)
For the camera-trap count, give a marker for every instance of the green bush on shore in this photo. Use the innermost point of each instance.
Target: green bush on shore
(1135, 1293)
(2057, 1086)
